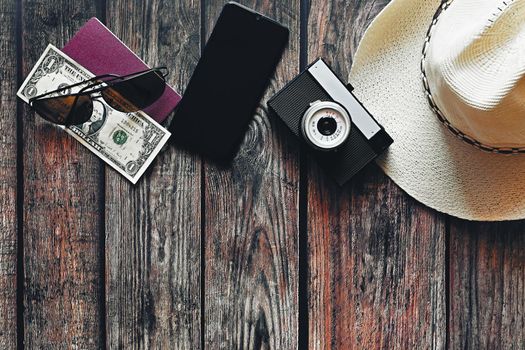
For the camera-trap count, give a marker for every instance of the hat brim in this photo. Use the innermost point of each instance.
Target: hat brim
(426, 160)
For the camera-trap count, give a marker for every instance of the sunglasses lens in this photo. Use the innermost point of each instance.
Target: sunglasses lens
(64, 110)
(136, 93)
(82, 111)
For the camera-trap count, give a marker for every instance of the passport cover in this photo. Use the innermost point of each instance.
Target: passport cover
(96, 48)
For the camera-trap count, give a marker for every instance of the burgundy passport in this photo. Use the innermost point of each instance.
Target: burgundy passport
(96, 48)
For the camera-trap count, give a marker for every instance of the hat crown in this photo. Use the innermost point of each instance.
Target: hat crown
(475, 65)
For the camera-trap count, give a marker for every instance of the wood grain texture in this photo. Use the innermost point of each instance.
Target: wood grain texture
(376, 257)
(487, 285)
(62, 223)
(251, 221)
(8, 165)
(377, 260)
(153, 229)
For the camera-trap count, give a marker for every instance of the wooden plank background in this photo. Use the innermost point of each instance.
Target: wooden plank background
(62, 204)
(153, 228)
(8, 175)
(251, 222)
(266, 254)
(376, 257)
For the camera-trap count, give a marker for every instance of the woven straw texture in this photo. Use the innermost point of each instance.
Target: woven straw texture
(427, 160)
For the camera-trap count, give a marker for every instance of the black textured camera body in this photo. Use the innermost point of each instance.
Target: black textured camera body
(296, 97)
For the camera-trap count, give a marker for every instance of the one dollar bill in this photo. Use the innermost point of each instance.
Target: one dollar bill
(126, 141)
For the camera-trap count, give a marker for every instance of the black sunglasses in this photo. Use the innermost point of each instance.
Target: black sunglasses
(128, 93)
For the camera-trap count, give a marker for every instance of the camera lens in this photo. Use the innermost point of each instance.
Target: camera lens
(327, 126)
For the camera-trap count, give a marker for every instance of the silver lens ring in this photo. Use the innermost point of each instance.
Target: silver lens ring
(326, 125)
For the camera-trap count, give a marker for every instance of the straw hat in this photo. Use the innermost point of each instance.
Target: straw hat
(447, 81)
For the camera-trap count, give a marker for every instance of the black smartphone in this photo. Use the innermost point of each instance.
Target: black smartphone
(228, 82)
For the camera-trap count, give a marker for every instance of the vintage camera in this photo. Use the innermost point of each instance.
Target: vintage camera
(319, 108)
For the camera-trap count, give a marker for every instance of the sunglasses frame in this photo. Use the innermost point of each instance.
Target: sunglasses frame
(115, 79)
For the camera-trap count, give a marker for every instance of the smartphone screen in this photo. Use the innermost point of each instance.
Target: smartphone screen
(228, 82)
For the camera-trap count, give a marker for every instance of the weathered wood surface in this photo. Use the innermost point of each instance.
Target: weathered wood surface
(200, 256)
(251, 221)
(487, 285)
(8, 166)
(377, 270)
(153, 229)
(62, 220)
(376, 257)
